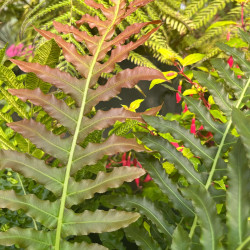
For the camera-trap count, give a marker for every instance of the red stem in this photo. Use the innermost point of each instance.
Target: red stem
(242, 16)
(196, 85)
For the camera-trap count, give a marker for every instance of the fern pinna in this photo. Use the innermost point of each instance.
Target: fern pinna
(200, 224)
(57, 216)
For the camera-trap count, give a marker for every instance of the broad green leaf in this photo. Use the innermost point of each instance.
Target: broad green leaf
(42, 138)
(158, 173)
(205, 207)
(219, 94)
(142, 238)
(182, 164)
(238, 196)
(218, 115)
(192, 59)
(28, 238)
(228, 75)
(201, 112)
(181, 240)
(180, 133)
(95, 151)
(238, 56)
(85, 189)
(145, 207)
(51, 178)
(65, 245)
(242, 122)
(96, 222)
(33, 207)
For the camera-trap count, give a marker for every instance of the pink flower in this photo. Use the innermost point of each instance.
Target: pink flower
(230, 61)
(185, 108)
(178, 98)
(19, 50)
(148, 178)
(177, 146)
(228, 35)
(14, 50)
(201, 127)
(193, 128)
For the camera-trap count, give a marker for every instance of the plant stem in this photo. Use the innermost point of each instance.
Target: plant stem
(244, 244)
(242, 17)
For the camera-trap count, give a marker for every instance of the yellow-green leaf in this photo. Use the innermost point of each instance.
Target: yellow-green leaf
(193, 58)
(134, 105)
(155, 82)
(190, 92)
(170, 75)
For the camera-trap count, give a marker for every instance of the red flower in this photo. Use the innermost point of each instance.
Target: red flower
(185, 108)
(230, 61)
(193, 128)
(148, 178)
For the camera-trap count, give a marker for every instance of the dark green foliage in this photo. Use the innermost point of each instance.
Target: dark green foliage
(216, 176)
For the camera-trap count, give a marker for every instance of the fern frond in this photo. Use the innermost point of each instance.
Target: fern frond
(67, 149)
(193, 7)
(41, 13)
(206, 14)
(174, 19)
(4, 4)
(140, 60)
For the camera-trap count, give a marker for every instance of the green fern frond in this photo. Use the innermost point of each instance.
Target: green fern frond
(2, 53)
(41, 13)
(193, 7)
(174, 18)
(5, 3)
(206, 14)
(140, 60)
(6, 117)
(208, 36)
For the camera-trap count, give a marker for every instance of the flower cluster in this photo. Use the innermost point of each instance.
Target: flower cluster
(19, 50)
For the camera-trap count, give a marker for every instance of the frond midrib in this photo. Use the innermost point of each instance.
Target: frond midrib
(78, 126)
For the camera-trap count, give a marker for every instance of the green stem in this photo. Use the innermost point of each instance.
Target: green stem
(74, 142)
(211, 174)
(244, 244)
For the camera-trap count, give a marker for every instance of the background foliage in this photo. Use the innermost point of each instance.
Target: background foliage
(200, 157)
